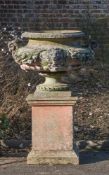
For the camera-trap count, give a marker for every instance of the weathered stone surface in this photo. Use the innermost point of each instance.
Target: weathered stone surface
(53, 157)
(49, 95)
(52, 116)
(52, 129)
(50, 57)
(52, 98)
(54, 34)
(51, 52)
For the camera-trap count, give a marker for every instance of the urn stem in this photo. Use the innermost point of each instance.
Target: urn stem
(53, 82)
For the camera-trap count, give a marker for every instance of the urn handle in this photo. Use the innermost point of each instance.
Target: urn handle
(13, 45)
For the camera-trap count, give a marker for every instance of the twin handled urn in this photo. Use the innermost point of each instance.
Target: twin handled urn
(53, 54)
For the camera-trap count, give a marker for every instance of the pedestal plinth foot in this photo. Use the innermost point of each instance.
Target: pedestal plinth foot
(53, 157)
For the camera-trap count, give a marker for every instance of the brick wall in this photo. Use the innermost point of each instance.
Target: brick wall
(49, 14)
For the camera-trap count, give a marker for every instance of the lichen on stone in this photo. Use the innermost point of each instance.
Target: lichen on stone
(81, 54)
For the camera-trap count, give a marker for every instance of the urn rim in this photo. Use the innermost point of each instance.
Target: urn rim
(56, 34)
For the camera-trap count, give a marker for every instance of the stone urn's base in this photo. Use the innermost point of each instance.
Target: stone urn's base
(52, 128)
(53, 82)
(53, 157)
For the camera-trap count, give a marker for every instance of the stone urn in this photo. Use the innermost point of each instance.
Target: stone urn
(53, 54)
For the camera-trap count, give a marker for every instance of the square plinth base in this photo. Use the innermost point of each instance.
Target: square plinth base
(53, 157)
(52, 129)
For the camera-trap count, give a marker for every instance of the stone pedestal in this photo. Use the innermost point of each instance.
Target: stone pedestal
(54, 54)
(52, 128)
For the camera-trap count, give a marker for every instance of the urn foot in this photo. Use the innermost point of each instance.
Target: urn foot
(53, 82)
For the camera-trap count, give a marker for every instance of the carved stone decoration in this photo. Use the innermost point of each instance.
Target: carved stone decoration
(51, 53)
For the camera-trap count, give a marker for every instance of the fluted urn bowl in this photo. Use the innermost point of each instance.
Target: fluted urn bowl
(53, 54)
